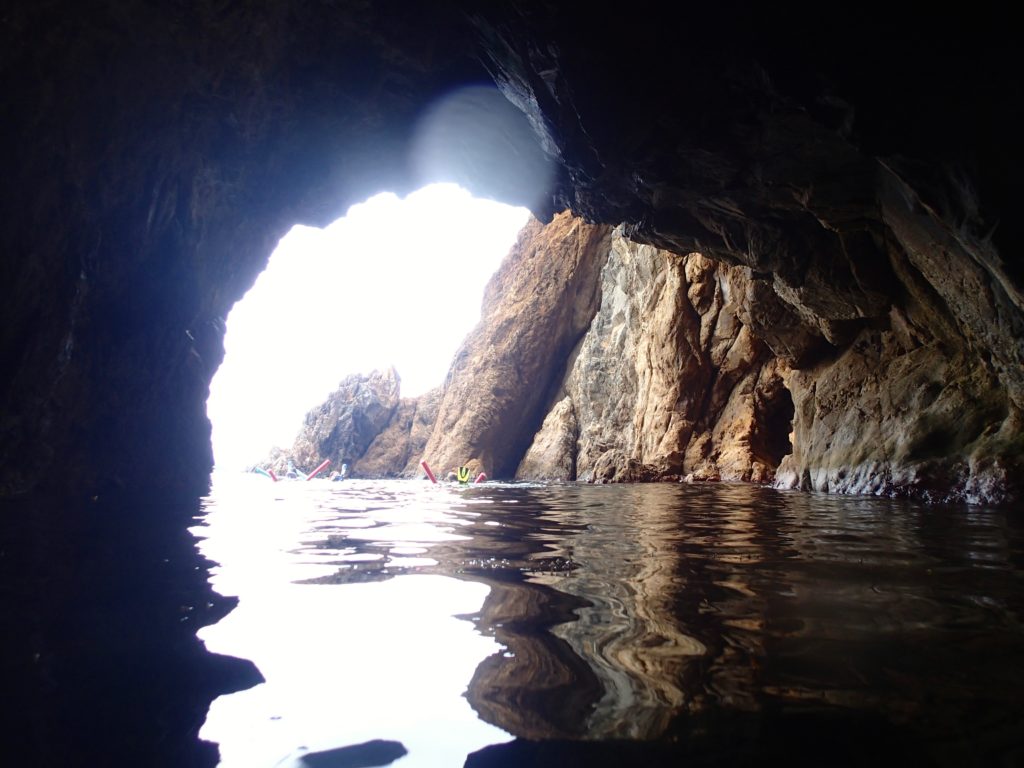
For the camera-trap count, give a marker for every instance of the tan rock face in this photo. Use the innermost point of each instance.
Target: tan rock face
(667, 382)
(397, 450)
(535, 310)
(692, 368)
(897, 419)
(602, 360)
(927, 403)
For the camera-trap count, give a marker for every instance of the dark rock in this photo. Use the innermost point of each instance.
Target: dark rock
(862, 162)
(156, 154)
(343, 426)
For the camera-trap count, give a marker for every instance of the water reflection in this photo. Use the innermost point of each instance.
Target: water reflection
(450, 619)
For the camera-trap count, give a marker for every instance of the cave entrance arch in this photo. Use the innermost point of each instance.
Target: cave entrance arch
(394, 282)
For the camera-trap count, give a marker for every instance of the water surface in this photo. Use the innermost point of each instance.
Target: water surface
(525, 624)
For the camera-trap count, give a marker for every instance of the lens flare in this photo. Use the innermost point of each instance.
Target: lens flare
(477, 139)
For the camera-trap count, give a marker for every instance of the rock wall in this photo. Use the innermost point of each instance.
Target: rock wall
(399, 448)
(535, 310)
(604, 360)
(366, 424)
(693, 369)
(667, 383)
(927, 401)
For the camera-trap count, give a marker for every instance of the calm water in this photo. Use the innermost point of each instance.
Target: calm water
(718, 623)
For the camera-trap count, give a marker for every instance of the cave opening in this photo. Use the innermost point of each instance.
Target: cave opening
(397, 282)
(773, 440)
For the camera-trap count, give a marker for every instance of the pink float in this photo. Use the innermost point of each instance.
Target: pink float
(312, 474)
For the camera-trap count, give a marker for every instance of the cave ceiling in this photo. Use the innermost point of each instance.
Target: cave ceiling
(154, 153)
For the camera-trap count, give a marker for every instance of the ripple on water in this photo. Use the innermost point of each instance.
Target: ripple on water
(448, 619)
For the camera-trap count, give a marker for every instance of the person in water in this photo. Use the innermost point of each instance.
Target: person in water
(461, 475)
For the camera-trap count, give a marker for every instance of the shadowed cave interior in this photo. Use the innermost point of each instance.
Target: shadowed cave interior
(846, 173)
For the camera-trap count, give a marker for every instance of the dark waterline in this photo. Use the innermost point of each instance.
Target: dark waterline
(99, 604)
(641, 624)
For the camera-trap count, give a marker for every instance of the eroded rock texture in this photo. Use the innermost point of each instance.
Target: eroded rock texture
(399, 448)
(366, 424)
(927, 401)
(668, 382)
(862, 161)
(861, 165)
(535, 310)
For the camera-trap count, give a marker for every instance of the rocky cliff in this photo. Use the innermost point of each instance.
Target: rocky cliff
(535, 310)
(600, 359)
(158, 152)
(668, 382)
(694, 369)
(366, 424)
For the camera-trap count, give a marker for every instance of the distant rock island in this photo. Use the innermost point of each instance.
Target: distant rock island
(365, 424)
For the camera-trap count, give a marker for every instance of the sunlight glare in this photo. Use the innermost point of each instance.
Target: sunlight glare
(395, 282)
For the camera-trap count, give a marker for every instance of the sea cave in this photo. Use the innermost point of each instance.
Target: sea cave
(772, 249)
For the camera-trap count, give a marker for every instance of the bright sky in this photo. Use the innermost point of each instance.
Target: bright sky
(395, 282)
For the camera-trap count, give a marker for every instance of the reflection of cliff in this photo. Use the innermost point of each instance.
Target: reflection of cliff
(667, 612)
(628, 632)
(593, 646)
(664, 613)
(586, 598)
(540, 687)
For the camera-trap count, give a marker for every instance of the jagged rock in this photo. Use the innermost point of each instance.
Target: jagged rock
(147, 188)
(366, 425)
(552, 455)
(927, 403)
(667, 380)
(398, 449)
(898, 416)
(344, 426)
(535, 310)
